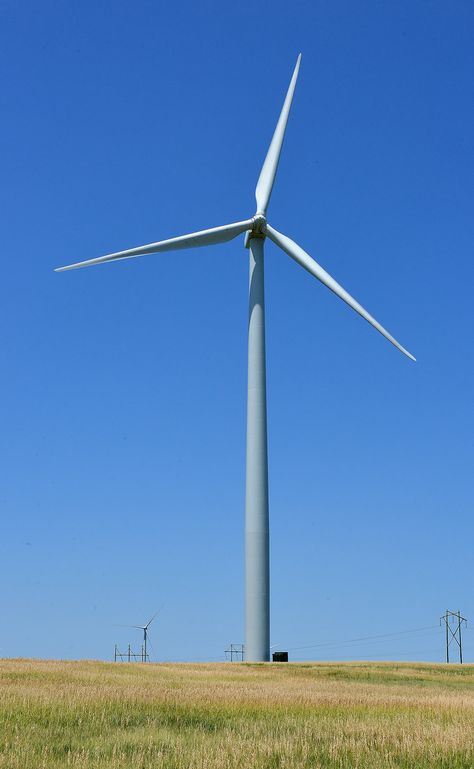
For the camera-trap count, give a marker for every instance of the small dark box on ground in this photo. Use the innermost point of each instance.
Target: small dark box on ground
(280, 657)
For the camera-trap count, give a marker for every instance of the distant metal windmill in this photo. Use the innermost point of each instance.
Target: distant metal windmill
(257, 229)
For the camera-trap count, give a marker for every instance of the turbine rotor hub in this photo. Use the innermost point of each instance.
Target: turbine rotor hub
(259, 224)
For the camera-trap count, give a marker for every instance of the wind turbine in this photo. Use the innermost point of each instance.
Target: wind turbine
(257, 228)
(145, 632)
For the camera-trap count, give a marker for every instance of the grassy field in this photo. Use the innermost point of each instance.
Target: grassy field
(131, 716)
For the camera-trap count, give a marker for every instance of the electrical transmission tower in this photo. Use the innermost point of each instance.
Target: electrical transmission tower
(237, 651)
(453, 618)
(130, 656)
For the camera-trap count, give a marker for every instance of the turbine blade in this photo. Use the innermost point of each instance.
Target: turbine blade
(269, 168)
(194, 239)
(154, 617)
(140, 627)
(152, 648)
(306, 261)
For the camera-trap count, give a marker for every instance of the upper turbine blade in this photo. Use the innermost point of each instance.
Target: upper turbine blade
(306, 261)
(194, 239)
(151, 620)
(269, 168)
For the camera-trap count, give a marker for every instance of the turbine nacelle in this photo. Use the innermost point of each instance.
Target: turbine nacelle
(258, 230)
(259, 223)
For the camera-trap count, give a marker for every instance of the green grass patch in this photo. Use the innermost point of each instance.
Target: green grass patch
(235, 716)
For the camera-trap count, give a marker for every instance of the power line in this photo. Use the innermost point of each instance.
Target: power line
(355, 644)
(367, 658)
(363, 638)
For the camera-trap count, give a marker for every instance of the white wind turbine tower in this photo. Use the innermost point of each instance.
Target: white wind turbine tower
(257, 228)
(145, 633)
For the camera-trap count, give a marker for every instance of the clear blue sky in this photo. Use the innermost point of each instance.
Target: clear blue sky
(124, 386)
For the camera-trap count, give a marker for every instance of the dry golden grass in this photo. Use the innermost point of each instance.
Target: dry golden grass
(119, 716)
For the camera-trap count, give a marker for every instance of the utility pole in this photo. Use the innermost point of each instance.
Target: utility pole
(236, 650)
(450, 618)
